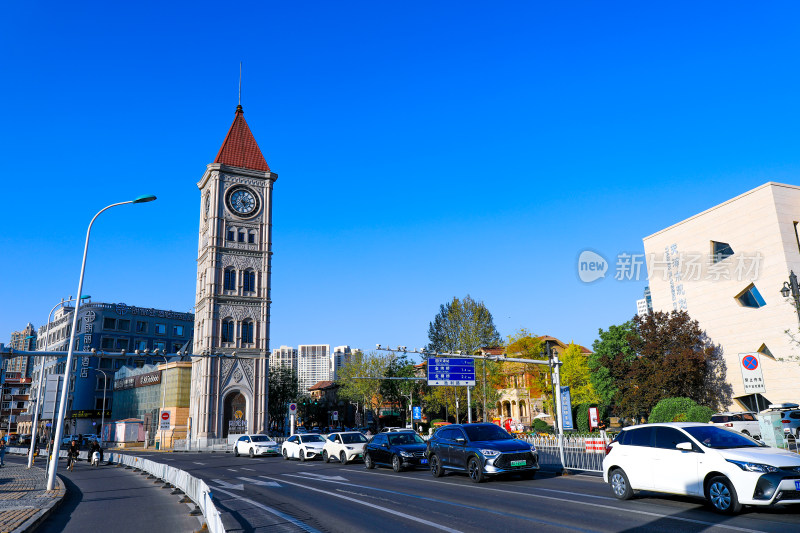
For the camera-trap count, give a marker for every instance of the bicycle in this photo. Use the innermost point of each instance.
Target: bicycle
(71, 458)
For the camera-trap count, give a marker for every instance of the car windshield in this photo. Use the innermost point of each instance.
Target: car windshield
(260, 438)
(486, 432)
(720, 439)
(353, 438)
(311, 438)
(399, 439)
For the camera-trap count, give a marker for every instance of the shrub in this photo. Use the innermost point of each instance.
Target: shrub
(699, 413)
(673, 410)
(540, 426)
(580, 415)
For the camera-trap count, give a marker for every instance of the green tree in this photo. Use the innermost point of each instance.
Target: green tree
(283, 390)
(460, 326)
(399, 391)
(611, 360)
(367, 392)
(679, 410)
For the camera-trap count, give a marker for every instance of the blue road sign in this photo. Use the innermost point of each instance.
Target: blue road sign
(451, 371)
(417, 413)
(750, 362)
(566, 409)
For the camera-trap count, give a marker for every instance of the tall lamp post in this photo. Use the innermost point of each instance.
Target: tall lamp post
(41, 377)
(791, 288)
(62, 405)
(103, 414)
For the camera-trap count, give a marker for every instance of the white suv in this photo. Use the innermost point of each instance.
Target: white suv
(725, 467)
(344, 446)
(744, 422)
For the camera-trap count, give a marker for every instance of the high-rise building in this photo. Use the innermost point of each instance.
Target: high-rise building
(233, 289)
(726, 267)
(284, 357)
(340, 355)
(313, 365)
(645, 305)
(24, 340)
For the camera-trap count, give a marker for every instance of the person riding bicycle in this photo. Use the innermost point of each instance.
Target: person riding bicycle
(72, 454)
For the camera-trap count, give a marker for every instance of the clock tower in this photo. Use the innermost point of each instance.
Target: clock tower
(231, 329)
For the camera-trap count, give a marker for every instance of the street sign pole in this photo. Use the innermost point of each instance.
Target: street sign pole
(469, 406)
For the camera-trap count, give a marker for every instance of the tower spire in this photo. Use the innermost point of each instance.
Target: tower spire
(239, 107)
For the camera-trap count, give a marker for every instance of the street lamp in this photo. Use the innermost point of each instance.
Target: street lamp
(41, 376)
(103, 414)
(62, 406)
(791, 288)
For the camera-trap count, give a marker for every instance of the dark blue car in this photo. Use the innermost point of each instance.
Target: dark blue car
(480, 450)
(401, 450)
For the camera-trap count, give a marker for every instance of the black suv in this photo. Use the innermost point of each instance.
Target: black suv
(400, 449)
(480, 450)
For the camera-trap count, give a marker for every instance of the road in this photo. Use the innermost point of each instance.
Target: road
(269, 493)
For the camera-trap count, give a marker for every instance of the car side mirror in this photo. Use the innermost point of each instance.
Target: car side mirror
(384, 445)
(684, 446)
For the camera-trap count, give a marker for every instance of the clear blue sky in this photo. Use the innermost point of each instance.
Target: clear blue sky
(425, 149)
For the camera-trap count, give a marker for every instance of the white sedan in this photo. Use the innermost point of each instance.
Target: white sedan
(306, 446)
(253, 445)
(727, 468)
(345, 446)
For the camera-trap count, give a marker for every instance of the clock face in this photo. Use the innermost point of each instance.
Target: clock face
(242, 201)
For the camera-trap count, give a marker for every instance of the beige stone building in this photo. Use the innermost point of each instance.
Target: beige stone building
(726, 267)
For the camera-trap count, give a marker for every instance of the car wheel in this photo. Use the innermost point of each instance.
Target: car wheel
(252, 453)
(475, 470)
(236, 451)
(436, 468)
(325, 456)
(285, 455)
(368, 464)
(397, 464)
(620, 485)
(722, 496)
(343, 458)
(302, 455)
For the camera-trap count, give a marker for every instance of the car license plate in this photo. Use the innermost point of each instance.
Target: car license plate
(423, 461)
(519, 463)
(797, 485)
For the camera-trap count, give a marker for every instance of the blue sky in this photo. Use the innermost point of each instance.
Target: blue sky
(425, 150)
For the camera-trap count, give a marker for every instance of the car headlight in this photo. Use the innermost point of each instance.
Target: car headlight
(349, 447)
(489, 453)
(406, 454)
(754, 467)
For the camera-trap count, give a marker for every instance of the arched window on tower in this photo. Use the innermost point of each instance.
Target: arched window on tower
(242, 235)
(228, 330)
(251, 237)
(247, 332)
(229, 283)
(231, 234)
(249, 281)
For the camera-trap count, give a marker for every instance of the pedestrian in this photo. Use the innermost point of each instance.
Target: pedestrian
(2, 451)
(72, 455)
(602, 427)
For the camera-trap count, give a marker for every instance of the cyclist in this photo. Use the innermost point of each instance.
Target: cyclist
(72, 455)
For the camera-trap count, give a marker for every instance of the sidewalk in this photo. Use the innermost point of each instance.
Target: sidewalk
(24, 502)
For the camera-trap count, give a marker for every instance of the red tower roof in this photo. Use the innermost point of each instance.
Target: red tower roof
(240, 149)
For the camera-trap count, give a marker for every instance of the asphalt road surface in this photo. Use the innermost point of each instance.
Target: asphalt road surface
(271, 494)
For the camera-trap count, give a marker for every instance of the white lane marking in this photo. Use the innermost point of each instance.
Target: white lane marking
(609, 507)
(231, 469)
(311, 475)
(373, 506)
(259, 482)
(250, 469)
(195, 462)
(298, 523)
(227, 485)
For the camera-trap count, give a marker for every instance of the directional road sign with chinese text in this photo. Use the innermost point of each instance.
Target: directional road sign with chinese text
(451, 371)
